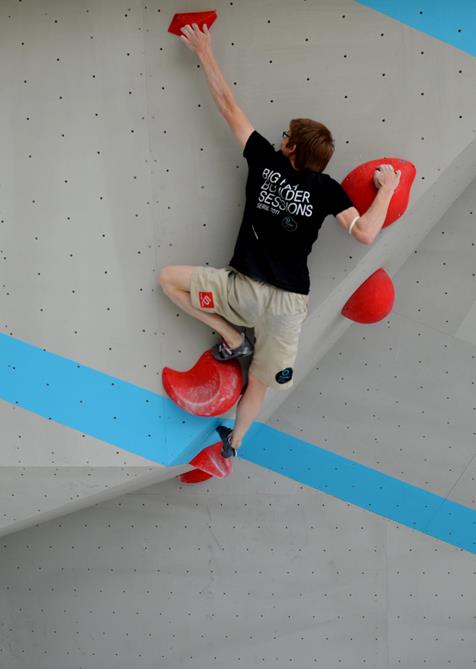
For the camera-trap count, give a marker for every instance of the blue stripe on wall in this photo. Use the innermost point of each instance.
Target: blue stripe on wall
(97, 404)
(145, 423)
(451, 22)
(362, 486)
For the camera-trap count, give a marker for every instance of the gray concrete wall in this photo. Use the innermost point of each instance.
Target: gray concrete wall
(116, 162)
(258, 570)
(131, 168)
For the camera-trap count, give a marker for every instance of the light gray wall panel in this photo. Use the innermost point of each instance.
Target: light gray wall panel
(431, 611)
(437, 285)
(252, 571)
(464, 490)
(467, 329)
(398, 398)
(238, 573)
(87, 471)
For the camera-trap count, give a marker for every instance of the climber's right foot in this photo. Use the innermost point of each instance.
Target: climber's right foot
(225, 435)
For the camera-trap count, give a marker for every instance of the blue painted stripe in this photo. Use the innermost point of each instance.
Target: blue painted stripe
(97, 404)
(451, 22)
(362, 486)
(145, 423)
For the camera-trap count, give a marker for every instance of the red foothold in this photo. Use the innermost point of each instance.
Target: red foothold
(188, 18)
(194, 476)
(359, 186)
(372, 301)
(209, 463)
(211, 460)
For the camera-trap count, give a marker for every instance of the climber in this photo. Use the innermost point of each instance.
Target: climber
(266, 284)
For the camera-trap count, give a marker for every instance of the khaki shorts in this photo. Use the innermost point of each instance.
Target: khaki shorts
(276, 315)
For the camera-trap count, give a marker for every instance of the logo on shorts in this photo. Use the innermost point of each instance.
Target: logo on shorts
(206, 300)
(289, 224)
(284, 375)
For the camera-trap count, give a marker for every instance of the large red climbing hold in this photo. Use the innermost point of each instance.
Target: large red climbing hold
(360, 187)
(184, 19)
(210, 388)
(372, 301)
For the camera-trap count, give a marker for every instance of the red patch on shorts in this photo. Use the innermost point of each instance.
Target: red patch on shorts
(206, 300)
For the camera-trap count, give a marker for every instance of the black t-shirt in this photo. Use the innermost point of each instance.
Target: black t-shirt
(284, 211)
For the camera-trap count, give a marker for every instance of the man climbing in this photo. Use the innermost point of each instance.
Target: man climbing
(266, 285)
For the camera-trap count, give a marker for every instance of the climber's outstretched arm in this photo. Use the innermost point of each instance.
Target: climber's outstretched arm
(200, 43)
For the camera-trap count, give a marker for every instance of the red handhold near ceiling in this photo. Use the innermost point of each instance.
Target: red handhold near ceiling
(210, 388)
(359, 186)
(372, 301)
(188, 18)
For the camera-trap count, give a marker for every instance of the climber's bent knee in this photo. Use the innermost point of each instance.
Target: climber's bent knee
(176, 276)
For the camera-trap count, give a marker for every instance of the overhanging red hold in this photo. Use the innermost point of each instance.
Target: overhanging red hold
(372, 301)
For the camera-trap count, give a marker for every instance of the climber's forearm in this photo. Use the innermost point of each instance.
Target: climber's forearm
(217, 84)
(371, 222)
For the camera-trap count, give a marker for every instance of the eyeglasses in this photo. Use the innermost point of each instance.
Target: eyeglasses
(285, 134)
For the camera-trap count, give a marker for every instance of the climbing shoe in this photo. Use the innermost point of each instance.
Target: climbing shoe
(225, 433)
(223, 352)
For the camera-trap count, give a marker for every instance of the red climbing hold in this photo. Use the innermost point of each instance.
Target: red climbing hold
(211, 461)
(372, 301)
(200, 18)
(194, 476)
(359, 186)
(210, 388)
